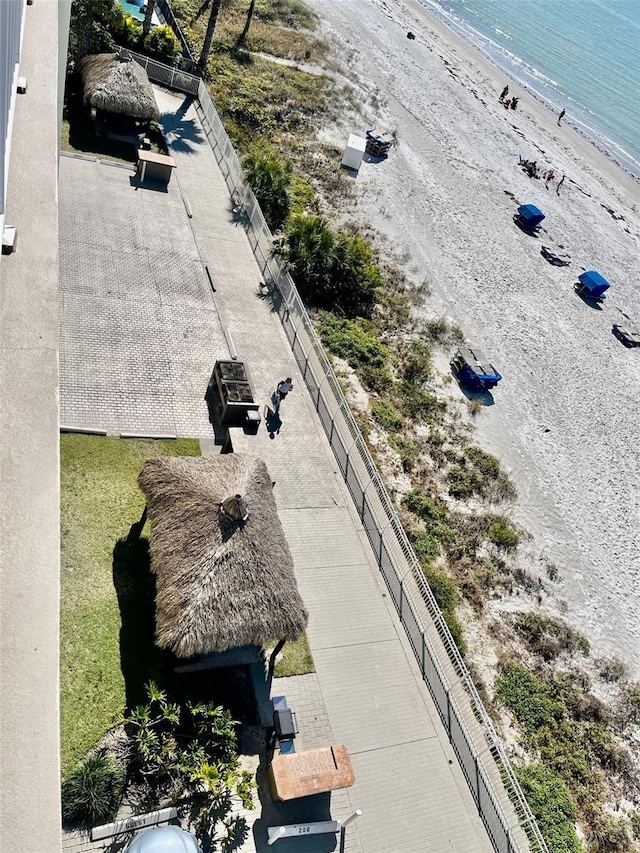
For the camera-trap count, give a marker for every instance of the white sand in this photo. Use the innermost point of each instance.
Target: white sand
(565, 421)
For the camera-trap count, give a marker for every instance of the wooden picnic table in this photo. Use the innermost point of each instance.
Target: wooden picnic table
(313, 771)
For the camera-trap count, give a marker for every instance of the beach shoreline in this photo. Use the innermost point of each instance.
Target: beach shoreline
(564, 421)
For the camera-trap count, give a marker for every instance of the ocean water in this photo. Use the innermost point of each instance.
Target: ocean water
(579, 55)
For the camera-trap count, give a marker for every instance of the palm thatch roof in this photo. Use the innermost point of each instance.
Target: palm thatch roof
(222, 581)
(118, 86)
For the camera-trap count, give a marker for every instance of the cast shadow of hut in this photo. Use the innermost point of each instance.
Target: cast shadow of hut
(140, 659)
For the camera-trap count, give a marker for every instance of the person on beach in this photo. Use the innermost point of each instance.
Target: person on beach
(504, 93)
(560, 183)
(514, 103)
(561, 116)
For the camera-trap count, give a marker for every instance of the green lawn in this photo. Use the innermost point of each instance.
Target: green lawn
(100, 499)
(295, 659)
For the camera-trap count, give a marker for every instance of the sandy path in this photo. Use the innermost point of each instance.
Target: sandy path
(565, 422)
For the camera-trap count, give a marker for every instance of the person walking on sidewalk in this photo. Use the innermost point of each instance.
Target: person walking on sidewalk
(282, 389)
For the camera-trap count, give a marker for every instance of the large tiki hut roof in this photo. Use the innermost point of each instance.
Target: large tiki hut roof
(118, 86)
(224, 578)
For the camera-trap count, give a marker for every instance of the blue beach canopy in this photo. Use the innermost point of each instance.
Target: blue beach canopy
(593, 283)
(530, 215)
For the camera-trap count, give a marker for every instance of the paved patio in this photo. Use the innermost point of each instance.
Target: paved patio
(367, 691)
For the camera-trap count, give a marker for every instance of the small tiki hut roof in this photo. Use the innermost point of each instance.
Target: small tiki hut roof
(223, 580)
(118, 85)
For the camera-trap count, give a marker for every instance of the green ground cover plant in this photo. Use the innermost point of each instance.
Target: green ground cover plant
(296, 659)
(100, 499)
(357, 341)
(552, 806)
(569, 729)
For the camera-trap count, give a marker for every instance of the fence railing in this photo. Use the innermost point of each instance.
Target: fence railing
(491, 779)
(172, 78)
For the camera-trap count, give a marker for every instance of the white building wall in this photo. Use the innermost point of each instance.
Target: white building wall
(12, 14)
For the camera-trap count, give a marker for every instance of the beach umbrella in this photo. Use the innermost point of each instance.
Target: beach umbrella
(117, 84)
(220, 584)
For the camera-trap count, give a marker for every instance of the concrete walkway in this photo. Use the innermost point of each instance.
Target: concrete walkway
(408, 782)
(367, 691)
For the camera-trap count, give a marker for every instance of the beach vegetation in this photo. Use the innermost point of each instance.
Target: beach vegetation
(386, 416)
(441, 331)
(549, 637)
(418, 404)
(504, 535)
(611, 668)
(331, 269)
(408, 448)
(478, 473)
(269, 176)
(417, 361)
(356, 341)
(628, 707)
(552, 806)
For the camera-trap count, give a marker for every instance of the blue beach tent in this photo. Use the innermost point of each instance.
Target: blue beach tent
(530, 216)
(593, 284)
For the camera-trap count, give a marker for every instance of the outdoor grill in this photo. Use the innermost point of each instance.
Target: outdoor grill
(231, 378)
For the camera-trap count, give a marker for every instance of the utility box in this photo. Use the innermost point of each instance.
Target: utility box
(354, 152)
(232, 382)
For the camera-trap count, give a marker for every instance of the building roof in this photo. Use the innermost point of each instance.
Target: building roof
(222, 582)
(118, 85)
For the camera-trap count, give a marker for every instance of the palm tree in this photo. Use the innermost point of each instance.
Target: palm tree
(270, 179)
(214, 10)
(245, 32)
(148, 14)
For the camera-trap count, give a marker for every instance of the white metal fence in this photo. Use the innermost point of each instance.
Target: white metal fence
(495, 789)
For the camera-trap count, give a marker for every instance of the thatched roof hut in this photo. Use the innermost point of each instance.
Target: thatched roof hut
(222, 581)
(118, 85)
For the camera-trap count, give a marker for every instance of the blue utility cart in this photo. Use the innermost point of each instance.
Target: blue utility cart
(474, 370)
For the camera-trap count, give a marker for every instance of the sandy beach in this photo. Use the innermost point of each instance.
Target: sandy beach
(565, 420)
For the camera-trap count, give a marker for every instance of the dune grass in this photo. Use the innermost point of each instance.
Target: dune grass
(100, 499)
